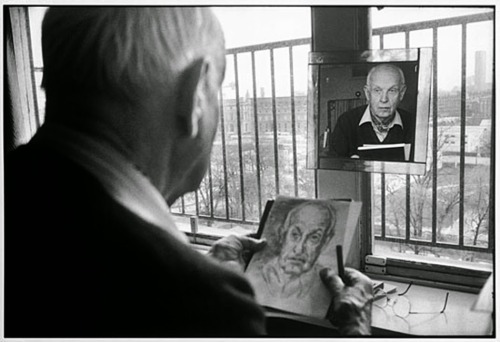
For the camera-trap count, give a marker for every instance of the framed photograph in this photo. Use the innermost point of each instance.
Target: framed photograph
(369, 110)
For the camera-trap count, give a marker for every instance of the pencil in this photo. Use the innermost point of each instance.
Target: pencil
(340, 262)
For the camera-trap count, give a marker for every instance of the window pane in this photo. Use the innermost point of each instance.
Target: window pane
(260, 150)
(421, 38)
(36, 16)
(449, 66)
(40, 95)
(394, 41)
(478, 135)
(446, 210)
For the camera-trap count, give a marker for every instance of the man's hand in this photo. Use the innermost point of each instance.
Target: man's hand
(351, 299)
(235, 250)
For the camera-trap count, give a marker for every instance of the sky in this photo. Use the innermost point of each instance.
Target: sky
(255, 25)
(245, 26)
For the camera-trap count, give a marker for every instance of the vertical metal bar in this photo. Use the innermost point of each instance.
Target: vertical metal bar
(382, 177)
(434, 126)
(197, 203)
(211, 192)
(275, 125)
(240, 142)
(408, 207)
(223, 143)
(257, 148)
(408, 178)
(382, 204)
(38, 120)
(491, 222)
(366, 219)
(183, 205)
(294, 131)
(463, 123)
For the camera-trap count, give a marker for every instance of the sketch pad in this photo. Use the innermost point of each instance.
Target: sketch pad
(301, 235)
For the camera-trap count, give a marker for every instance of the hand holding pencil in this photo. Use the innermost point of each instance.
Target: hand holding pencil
(352, 295)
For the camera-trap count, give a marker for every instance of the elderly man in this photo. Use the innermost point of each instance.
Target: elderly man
(91, 249)
(363, 131)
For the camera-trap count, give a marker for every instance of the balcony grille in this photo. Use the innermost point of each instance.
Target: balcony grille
(485, 217)
(412, 231)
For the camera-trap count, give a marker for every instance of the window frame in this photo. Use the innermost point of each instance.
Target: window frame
(471, 278)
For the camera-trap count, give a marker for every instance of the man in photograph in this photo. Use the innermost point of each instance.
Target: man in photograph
(370, 131)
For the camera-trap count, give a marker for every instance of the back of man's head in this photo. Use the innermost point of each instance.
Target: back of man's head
(121, 54)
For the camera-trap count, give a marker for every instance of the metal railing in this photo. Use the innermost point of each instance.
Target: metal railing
(239, 111)
(412, 234)
(229, 176)
(262, 123)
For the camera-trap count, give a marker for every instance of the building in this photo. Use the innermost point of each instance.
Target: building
(266, 108)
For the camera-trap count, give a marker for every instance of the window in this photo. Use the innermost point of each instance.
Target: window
(266, 82)
(443, 215)
(35, 23)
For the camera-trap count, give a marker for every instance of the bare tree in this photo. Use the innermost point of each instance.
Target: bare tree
(478, 206)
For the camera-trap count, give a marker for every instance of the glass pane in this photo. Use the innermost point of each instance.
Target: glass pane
(395, 205)
(463, 133)
(305, 177)
(40, 95)
(394, 41)
(36, 16)
(217, 163)
(479, 111)
(253, 170)
(449, 65)
(421, 38)
(377, 205)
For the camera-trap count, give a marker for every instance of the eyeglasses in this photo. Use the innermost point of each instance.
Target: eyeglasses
(400, 304)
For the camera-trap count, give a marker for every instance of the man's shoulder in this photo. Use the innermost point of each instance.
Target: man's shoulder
(403, 112)
(407, 117)
(355, 112)
(353, 115)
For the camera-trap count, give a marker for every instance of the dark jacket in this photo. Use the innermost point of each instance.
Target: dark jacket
(79, 264)
(348, 135)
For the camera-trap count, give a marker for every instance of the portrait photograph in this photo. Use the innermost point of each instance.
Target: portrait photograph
(371, 110)
(301, 237)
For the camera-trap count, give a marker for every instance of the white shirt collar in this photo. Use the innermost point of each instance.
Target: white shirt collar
(368, 118)
(120, 178)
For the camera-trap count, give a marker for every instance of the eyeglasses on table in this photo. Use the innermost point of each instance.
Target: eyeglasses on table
(400, 303)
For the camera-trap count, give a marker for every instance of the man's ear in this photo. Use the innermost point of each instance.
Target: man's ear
(191, 96)
(402, 92)
(367, 92)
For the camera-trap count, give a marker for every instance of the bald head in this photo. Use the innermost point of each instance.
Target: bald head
(144, 80)
(386, 70)
(123, 53)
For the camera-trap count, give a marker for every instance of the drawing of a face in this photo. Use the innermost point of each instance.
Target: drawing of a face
(308, 228)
